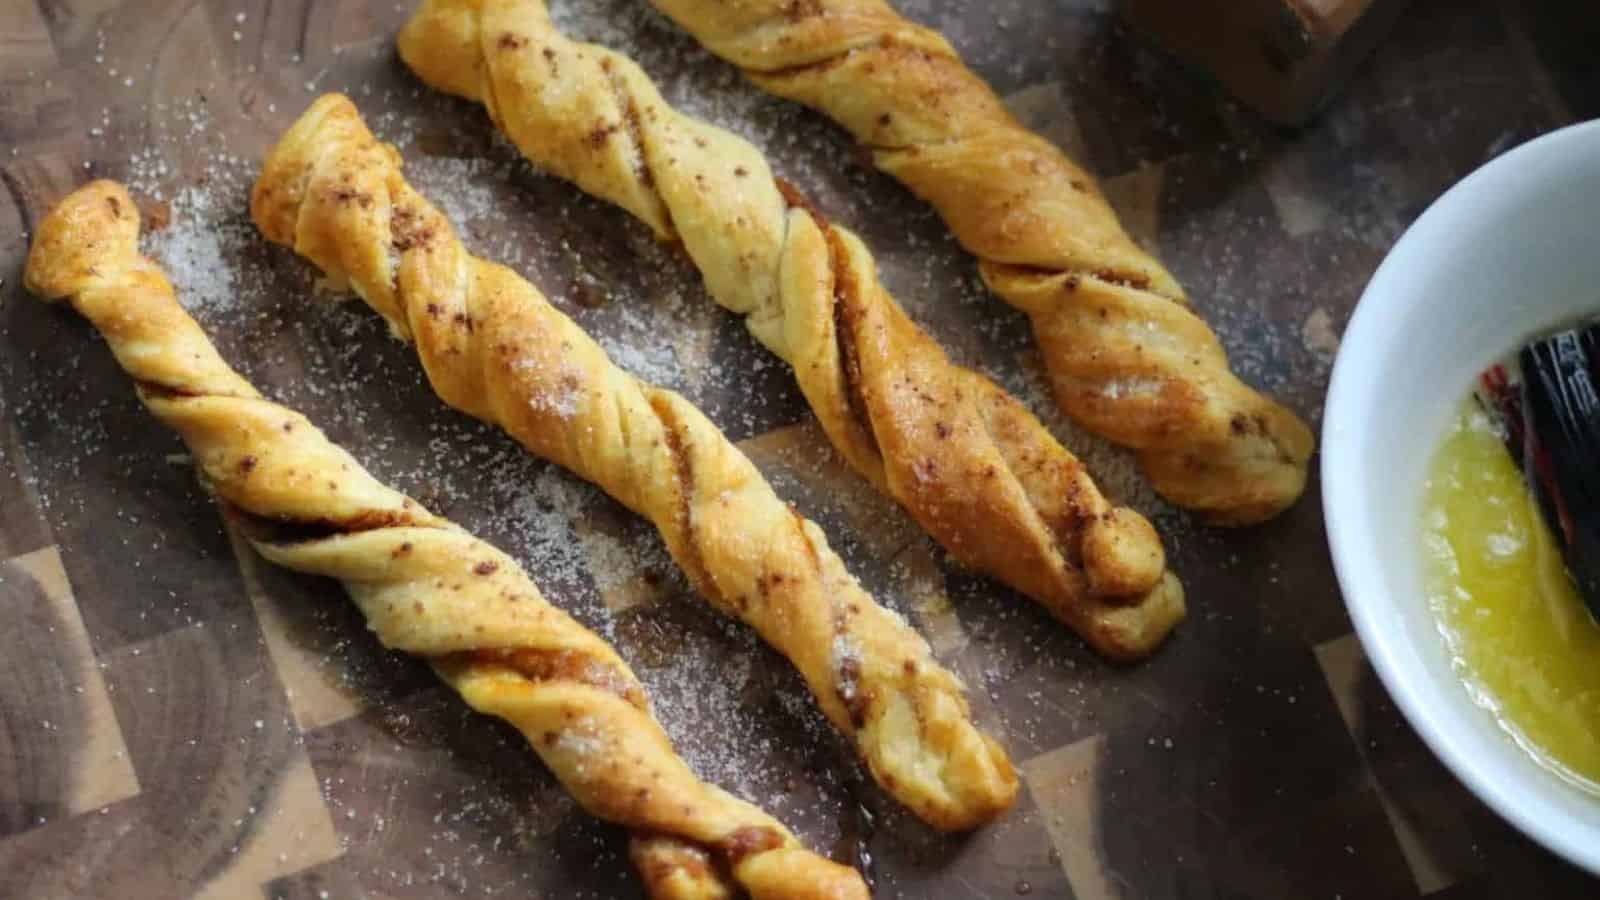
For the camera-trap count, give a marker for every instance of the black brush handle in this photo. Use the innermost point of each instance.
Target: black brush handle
(1561, 448)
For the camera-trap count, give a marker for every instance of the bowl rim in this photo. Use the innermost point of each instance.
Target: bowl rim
(1357, 578)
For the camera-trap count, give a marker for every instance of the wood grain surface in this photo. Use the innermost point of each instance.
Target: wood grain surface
(178, 718)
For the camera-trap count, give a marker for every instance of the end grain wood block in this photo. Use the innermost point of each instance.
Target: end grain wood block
(1285, 58)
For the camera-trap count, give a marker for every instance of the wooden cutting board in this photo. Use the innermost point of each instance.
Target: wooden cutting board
(180, 719)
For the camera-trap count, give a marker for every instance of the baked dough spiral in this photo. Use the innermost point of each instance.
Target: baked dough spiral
(978, 471)
(496, 349)
(425, 585)
(1126, 355)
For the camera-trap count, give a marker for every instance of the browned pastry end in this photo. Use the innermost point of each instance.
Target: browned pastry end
(425, 585)
(1126, 355)
(495, 348)
(970, 463)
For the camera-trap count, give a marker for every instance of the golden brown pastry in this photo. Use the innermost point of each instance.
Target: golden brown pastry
(496, 349)
(425, 586)
(1126, 355)
(967, 460)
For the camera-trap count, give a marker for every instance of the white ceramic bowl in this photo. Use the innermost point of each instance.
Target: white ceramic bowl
(1512, 250)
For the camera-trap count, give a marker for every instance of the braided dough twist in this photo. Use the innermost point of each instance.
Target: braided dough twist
(967, 460)
(426, 586)
(496, 349)
(1126, 355)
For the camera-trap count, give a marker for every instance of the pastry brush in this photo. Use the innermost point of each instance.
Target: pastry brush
(1546, 402)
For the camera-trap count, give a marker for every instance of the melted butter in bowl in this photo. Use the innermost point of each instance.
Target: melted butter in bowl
(1509, 253)
(1523, 643)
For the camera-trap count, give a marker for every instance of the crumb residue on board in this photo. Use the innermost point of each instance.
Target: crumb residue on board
(1319, 336)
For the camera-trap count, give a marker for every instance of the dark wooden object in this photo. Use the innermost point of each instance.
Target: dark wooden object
(1284, 58)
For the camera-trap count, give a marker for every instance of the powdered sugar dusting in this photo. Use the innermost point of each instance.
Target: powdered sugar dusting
(190, 250)
(199, 230)
(463, 189)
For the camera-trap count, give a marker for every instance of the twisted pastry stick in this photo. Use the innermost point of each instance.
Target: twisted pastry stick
(1126, 355)
(966, 459)
(425, 586)
(494, 348)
